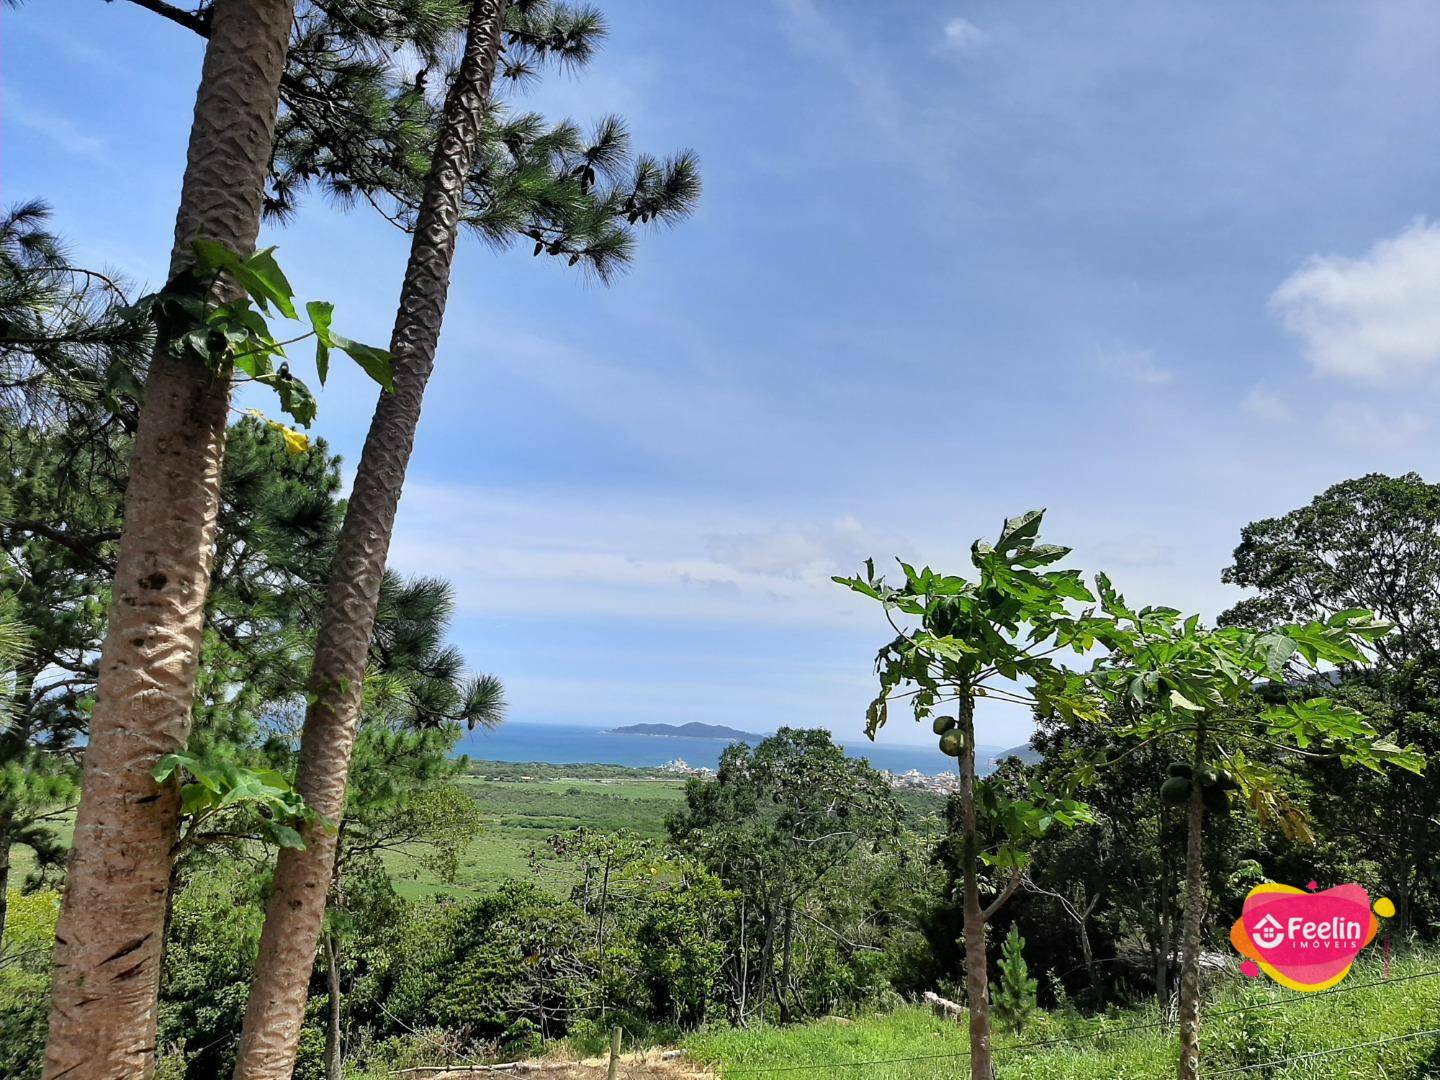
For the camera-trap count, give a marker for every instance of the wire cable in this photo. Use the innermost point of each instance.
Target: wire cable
(1325, 1053)
(1098, 1033)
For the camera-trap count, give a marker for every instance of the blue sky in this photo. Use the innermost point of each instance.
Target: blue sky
(1162, 269)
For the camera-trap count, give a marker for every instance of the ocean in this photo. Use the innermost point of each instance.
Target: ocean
(563, 744)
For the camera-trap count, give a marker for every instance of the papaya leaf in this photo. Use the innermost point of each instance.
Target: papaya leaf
(295, 398)
(264, 280)
(374, 362)
(320, 313)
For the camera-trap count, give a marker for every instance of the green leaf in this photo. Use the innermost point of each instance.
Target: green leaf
(856, 585)
(1180, 701)
(195, 797)
(213, 256)
(285, 836)
(264, 280)
(167, 765)
(1019, 531)
(259, 275)
(375, 362)
(296, 399)
(320, 313)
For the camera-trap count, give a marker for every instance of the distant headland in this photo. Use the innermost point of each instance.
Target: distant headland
(691, 730)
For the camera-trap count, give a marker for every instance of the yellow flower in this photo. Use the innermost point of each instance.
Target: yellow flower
(295, 442)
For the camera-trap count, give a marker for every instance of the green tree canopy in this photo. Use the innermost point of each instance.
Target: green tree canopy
(361, 100)
(1371, 543)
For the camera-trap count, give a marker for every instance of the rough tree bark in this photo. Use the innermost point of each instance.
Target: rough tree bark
(1163, 948)
(102, 1014)
(744, 966)
(297, 903)
(7, 821)
(977, 983)
(600, 932)
(1189, 1065)
(334, 1066)
(787, 951)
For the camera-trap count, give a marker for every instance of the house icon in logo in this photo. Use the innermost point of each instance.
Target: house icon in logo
(1267, 933)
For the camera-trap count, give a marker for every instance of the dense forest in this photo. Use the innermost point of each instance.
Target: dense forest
(236, 833)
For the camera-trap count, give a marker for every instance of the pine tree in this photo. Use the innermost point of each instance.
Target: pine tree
(528, 28)
(68, 363)
(1013, 998)
(359, 124)
(110, 934)
(401, 801)
(68, 358)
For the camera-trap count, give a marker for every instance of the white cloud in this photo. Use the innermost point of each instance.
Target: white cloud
(802, 551)
(1265, 405)
(513, 556)
(961, 35)
(1376, 317)
(1366, 427)
(58, 129)
(1135, 365)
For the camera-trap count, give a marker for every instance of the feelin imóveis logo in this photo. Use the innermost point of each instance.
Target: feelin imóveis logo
(1305, 940)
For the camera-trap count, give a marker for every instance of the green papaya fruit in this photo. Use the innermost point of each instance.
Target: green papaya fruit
(1175, 790)
(952, 743)
(1180, 768)
(943, 724)
(1208, 777)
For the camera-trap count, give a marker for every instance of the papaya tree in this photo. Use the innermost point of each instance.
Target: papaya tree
(1168, 678)
(995, 637)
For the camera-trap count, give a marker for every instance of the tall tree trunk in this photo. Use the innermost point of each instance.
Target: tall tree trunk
(107, 946)
(172, 888)
(600, 932)
(1189, 1066)
(7, 822)
(1163, 946)
(293, 915)
(1087, 951)
(744, 964)
(333, 1070)
(977, 983)
(767, 960)
(787, 949)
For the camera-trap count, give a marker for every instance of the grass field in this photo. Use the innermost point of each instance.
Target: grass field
(524, 803)
(520, 814)
(1249, 1025)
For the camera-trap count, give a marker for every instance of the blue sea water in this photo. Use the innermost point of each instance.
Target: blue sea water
(564, 744)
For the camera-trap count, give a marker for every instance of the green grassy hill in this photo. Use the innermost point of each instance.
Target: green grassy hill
(1248, 1026)
(524, 803)
(520, 814)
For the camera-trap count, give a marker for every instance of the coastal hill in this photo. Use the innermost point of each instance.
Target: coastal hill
(1025, 752)
(691, 730)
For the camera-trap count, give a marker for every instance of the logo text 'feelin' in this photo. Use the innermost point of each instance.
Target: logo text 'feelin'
(1304, 940)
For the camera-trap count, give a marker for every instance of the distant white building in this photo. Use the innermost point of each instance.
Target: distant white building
(680, 767)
